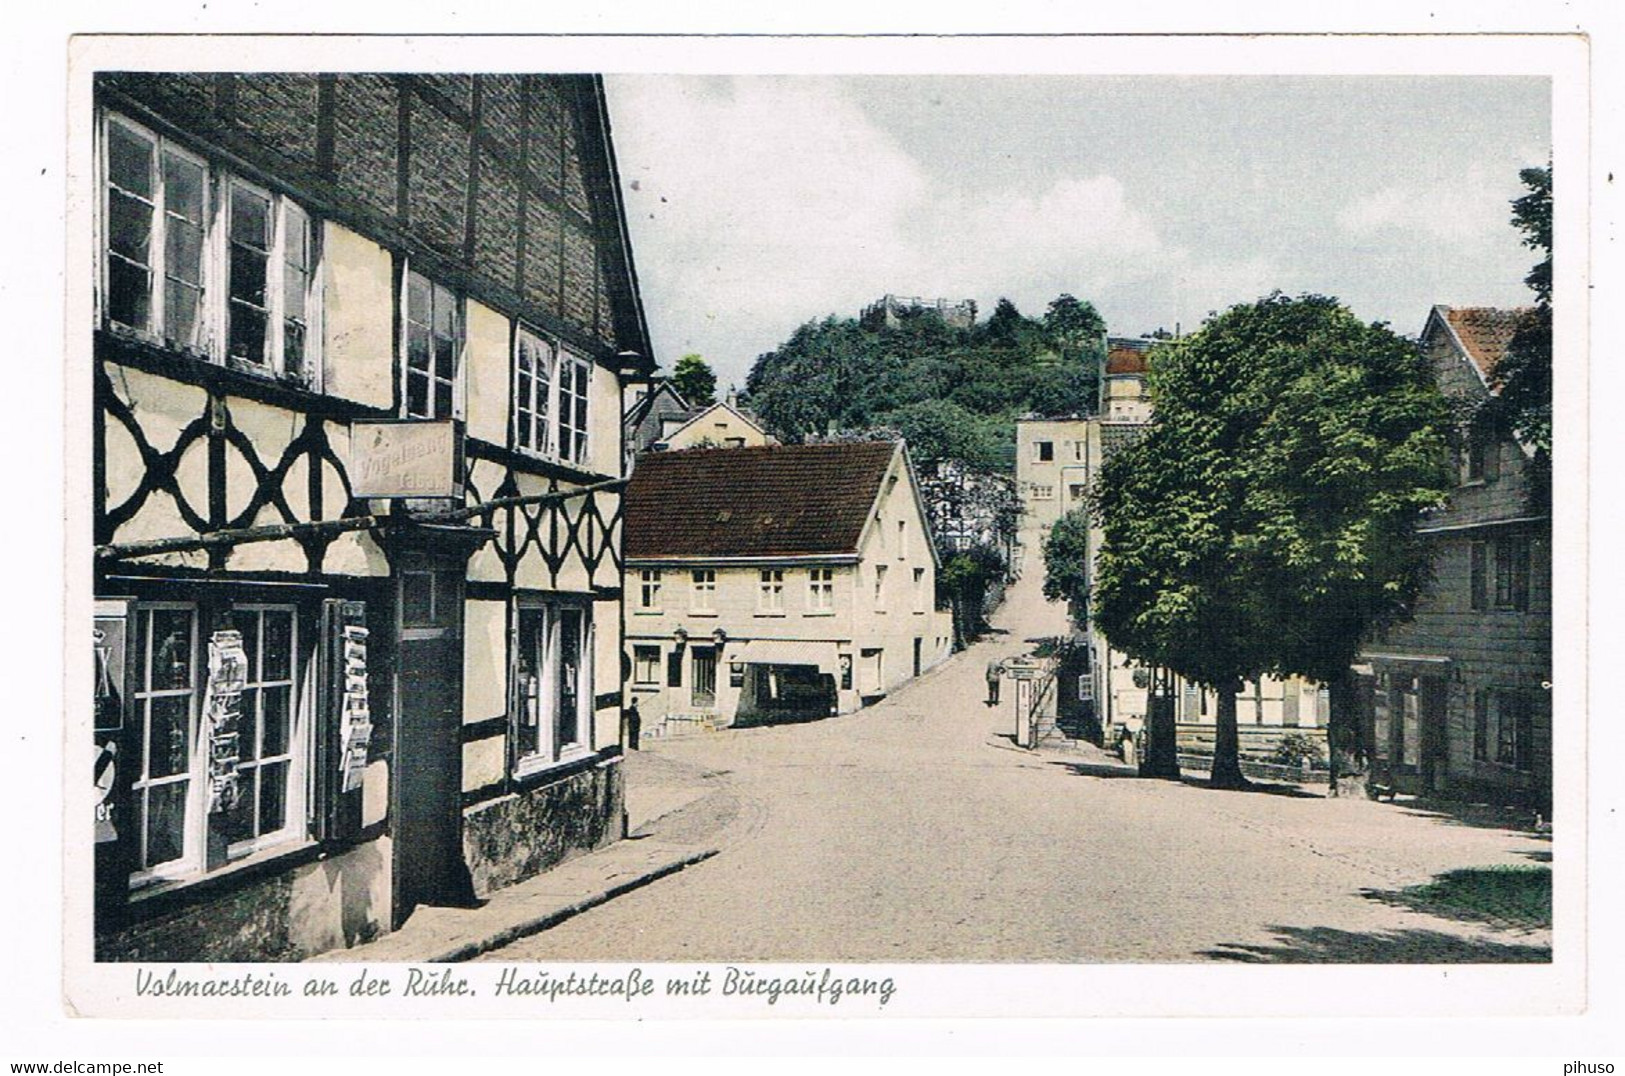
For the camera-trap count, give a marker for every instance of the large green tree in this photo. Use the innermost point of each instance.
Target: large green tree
(696, 382)
(1266, 522)
(1522, 405)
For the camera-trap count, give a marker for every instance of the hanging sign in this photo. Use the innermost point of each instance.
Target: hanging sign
(420, 458)
(355, 719)
(222, 717)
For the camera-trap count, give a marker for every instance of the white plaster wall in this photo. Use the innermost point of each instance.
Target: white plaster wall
(485, 660)
(487, 361)
(358, 308)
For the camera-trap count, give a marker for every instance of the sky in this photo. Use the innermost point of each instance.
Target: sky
(756, 203)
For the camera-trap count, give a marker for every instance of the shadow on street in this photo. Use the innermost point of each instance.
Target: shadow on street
(1476, 815)
(1511, 898)
(1324, 945)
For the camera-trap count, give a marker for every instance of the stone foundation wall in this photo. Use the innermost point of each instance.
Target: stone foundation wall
(333, 903)
(518, 836)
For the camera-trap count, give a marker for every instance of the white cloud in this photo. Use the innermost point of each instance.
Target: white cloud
(759, 203)
(1468, 205)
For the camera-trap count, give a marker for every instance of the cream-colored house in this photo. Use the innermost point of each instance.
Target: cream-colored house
(782, 582)
(722, 425)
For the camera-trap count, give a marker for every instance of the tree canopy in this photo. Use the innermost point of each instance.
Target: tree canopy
(1266, 522)
(695, 381)
(953, 392)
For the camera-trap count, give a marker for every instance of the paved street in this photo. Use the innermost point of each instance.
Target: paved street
(916, 831)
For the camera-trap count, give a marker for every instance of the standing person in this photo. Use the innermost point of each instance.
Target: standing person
(995, 670)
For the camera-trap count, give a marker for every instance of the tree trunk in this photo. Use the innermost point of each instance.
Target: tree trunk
(1227, 743)
(1162, 748)
(1347, 754)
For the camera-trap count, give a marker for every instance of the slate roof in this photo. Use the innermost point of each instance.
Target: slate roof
(1484, 332)
(773, 500)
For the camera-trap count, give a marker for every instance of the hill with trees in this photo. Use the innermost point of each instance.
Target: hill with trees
(953, 393)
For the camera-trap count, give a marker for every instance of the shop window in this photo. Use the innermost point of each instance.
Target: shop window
(554, 688)
(221, 745)
(432, 316)
(646, 665)
(202, 260)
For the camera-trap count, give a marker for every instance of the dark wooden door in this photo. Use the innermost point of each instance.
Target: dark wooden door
(705, 677)
(429, 866)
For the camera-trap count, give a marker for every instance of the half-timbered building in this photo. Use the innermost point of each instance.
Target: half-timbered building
(359, 353)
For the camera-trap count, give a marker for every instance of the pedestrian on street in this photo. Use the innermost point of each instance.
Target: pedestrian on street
(995, 670)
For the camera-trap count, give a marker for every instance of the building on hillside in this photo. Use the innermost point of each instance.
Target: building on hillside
(891, 311)
(1101, 693)
(359, 351)
(1458, 701)
(782, 582)
(662, 422)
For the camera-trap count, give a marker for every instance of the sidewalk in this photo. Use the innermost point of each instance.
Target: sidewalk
(449, 935)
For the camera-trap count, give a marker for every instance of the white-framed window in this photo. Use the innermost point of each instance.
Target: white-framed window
(269, 799)
(533, 358)
(919, 590)
(1043, 493)
(173, 820)
(1043, 451)
(770, 591)
(575, 378)
(880, 588)
(821, 590)
(646, 665)
(649, 586)
(202, 260)
(553, 693)
(703, 596)
(432, 334)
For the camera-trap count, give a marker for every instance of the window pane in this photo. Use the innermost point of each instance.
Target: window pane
(417, 395)
(417, 348)
(445, 357)
(169, 730)
(127, 294)
(183, 188)
(417, 299)
(295, 236)
(183, 251)
(445, 310)
(278, 645)
(250, 219)
(248, 276)
(166, 819)
(273, 796)
(180, 312)
(274, 721)
(129, 226)
(569, 673)
(171, 649)
(293, 345)
(247, 731)
(129, 160)
(442, 400)
(248, 625)
(247, 340)
(237, 823)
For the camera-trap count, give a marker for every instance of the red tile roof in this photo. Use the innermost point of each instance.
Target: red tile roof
(1484, 332)
(1124, 360)
(774, 500)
